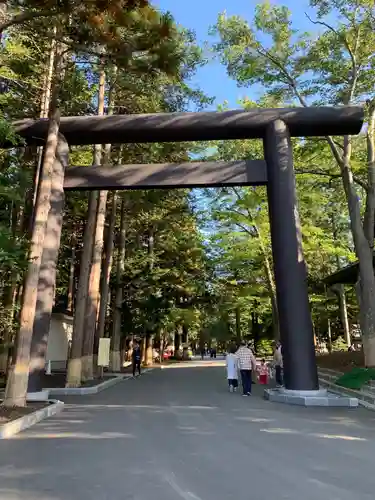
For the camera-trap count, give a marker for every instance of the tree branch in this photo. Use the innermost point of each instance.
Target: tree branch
(339, 35)
(335, 152)
(357, 180)
(283, 69)
(352, 54)
(26, 16)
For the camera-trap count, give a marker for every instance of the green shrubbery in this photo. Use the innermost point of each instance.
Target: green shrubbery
(356, 378)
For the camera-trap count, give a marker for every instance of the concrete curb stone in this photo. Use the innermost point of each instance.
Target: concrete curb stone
(82, 391)
(363, 399)
(11, 428)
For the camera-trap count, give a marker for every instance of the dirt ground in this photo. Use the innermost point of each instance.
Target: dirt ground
(341, 361)
(9, 414)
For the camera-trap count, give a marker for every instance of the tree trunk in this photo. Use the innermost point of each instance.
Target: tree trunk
(9, 305)
(365, 258)
(162, 346)
(74, 374)
(71, 287)
(47, 274)
(149, 350)
(107, 266)
(329, 332)
(339, 289)
(255, 330)
(94, 280)
(120, 266)
(143, 350)
(271, 286)
(369, 218)
(16, 389)
(93, 293)
(238, 324)
(45, 104)
(344, 314)
(10, 294)
(81, 363)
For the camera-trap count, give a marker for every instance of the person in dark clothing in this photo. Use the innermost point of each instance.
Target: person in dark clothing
(136, 359)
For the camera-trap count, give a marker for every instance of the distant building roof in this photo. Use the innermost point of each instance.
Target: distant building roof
(347, 275)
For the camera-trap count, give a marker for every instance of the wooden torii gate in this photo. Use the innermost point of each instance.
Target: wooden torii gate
(275, 127)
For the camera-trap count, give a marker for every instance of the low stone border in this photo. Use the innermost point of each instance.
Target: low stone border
(310, 398)
(192, 364)
(367, 401)
(20, 424)
(82, 391)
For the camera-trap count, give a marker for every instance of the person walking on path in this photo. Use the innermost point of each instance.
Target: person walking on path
(247, 363)
(232, 369)
(263, 372)
(278, 362)
(136, 359)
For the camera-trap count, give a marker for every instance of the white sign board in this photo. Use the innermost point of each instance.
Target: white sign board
(103, 354)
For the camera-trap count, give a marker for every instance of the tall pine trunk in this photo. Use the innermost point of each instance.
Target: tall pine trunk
(93, 292)
(74, 374)
(54, 75)
(120, 267)
(16, 388)
(93, 296)
(45, 102)
(81, 350)
(107, 267)
(109, 243)
(47, 274)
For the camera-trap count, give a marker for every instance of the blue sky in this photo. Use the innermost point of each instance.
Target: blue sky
(199, 15)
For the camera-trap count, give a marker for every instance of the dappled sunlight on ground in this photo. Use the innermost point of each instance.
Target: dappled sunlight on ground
(314, 435)
(76, 435)
(144, 407)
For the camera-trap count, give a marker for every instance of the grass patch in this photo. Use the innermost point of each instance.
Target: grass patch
(356, 378)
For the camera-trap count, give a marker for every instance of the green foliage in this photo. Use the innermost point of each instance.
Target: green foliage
(265, 348)
(240, 237)
(332, 65)
(339, 344)
(356, 378)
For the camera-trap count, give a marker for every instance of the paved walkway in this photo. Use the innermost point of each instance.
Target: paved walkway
(177, 434)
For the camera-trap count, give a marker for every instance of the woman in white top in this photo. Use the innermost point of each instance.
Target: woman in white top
(232, 369)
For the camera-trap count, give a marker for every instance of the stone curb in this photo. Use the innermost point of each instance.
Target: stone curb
(192, 364)
(82, 391)
(320, 398)
(11, 428)
(344, 391)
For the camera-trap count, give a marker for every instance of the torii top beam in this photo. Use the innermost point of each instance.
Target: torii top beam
(175, 127)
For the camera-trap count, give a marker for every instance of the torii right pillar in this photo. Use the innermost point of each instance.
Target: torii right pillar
(296, 329)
